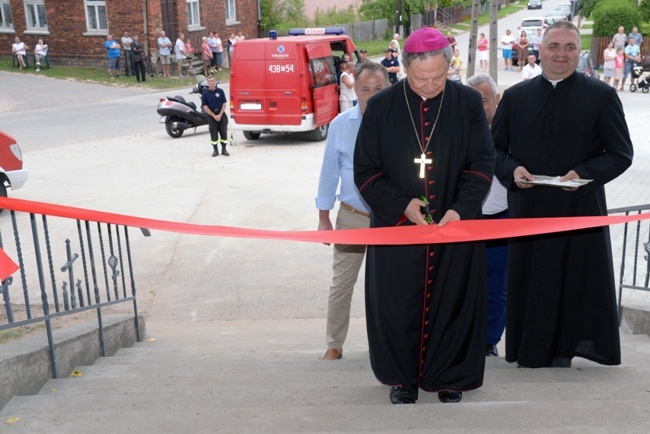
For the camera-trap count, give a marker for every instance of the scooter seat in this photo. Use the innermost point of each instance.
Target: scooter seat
(191, 104)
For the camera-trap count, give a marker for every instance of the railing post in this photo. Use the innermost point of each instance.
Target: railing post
(46, 305)
(91, 258)
(135, 304)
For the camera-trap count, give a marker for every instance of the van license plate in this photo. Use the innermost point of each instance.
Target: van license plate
(250, 106)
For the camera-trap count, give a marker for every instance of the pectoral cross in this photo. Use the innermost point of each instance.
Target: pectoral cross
(423, 161)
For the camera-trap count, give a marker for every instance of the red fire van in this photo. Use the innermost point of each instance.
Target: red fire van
(287, 84)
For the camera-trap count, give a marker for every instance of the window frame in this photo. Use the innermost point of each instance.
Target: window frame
(34, 6)
(5, 25)
(96, 4)
(231, 11)
(190, 24)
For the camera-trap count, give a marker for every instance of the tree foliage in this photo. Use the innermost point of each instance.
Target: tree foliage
(294, 12)
(645, 10)
(609, 15)
(377, 9)
(334, 16)
(587, 7)
(272, 14)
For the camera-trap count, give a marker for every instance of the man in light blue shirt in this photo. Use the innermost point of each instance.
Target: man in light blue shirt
(632, 57)
(353, 212)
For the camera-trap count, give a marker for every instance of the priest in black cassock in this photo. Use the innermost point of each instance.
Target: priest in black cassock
(561, 291)
(424, 155)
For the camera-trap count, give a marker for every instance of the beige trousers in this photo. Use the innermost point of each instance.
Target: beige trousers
(346, 265)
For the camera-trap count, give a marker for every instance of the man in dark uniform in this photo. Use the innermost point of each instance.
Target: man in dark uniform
(391, 64)
(214, 101)
(561, 291)
(424, 152)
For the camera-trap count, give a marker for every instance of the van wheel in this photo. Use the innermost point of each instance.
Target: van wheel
(252, 135)
(319, 134)
(173, 132)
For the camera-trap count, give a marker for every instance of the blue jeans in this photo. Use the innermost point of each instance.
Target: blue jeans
(628, 67)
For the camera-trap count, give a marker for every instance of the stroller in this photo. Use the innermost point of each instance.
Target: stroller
(642, 75)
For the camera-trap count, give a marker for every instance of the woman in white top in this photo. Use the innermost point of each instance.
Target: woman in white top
(20, 50)
(347, 95)
(610, 59)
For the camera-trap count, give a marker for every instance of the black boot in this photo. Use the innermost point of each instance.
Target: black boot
(216, 151)
(223, 151)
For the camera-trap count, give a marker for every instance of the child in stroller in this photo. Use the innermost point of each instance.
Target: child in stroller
(641, 73)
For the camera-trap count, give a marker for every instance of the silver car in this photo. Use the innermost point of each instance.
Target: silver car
(554, 16)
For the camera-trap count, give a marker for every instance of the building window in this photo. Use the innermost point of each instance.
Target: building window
(193, 17)
(231, 12)
(35, 15)
(6, 20)
(96, 19)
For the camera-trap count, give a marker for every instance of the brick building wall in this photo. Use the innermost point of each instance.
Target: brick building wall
(70, 42)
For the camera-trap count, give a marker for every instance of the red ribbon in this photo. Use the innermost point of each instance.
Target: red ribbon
(454, 232)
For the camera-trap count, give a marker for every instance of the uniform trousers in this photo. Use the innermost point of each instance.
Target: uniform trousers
(346, 266)
(218, 129)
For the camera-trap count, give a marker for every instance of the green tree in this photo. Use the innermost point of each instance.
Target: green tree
(587, 7)
(272, 12)
(645, 10)
(294, 12)
(377, 9)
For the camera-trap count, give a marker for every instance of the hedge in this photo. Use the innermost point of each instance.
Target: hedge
(609, 15)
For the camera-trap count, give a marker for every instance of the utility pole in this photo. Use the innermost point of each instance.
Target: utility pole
(398, 16)
(494, 39)
(471, 50)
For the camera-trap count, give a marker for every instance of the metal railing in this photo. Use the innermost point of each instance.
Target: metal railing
(631, 245)
(60, 250)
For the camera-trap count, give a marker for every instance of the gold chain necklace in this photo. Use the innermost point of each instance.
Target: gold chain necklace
(423, 160)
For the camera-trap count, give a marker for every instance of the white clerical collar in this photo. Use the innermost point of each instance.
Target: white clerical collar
(553, 82)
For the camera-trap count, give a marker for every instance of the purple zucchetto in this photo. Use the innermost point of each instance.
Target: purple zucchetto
(425, 39)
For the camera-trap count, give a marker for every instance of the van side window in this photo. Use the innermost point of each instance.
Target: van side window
(323, 71)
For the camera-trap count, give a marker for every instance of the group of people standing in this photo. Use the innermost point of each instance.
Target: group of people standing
(212, 53)
(212, 49)
(623, 52)
(428, 307)
(134, 56)
(19, 49)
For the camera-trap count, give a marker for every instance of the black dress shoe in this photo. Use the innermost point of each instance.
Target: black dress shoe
(450, 396)
(560, 362)
(491, 351)
(399, 395)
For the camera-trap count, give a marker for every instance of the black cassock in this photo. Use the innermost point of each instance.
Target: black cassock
(425, 304)
(561, 293)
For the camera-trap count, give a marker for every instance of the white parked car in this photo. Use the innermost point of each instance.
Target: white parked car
(531, 24)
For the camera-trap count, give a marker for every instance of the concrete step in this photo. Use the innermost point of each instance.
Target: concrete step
(629, 416)
(266, 376)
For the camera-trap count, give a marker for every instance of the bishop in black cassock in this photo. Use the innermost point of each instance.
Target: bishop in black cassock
(561, 293)
(425, 304)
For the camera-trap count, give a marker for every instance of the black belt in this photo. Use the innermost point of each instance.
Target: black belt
(498, 215)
